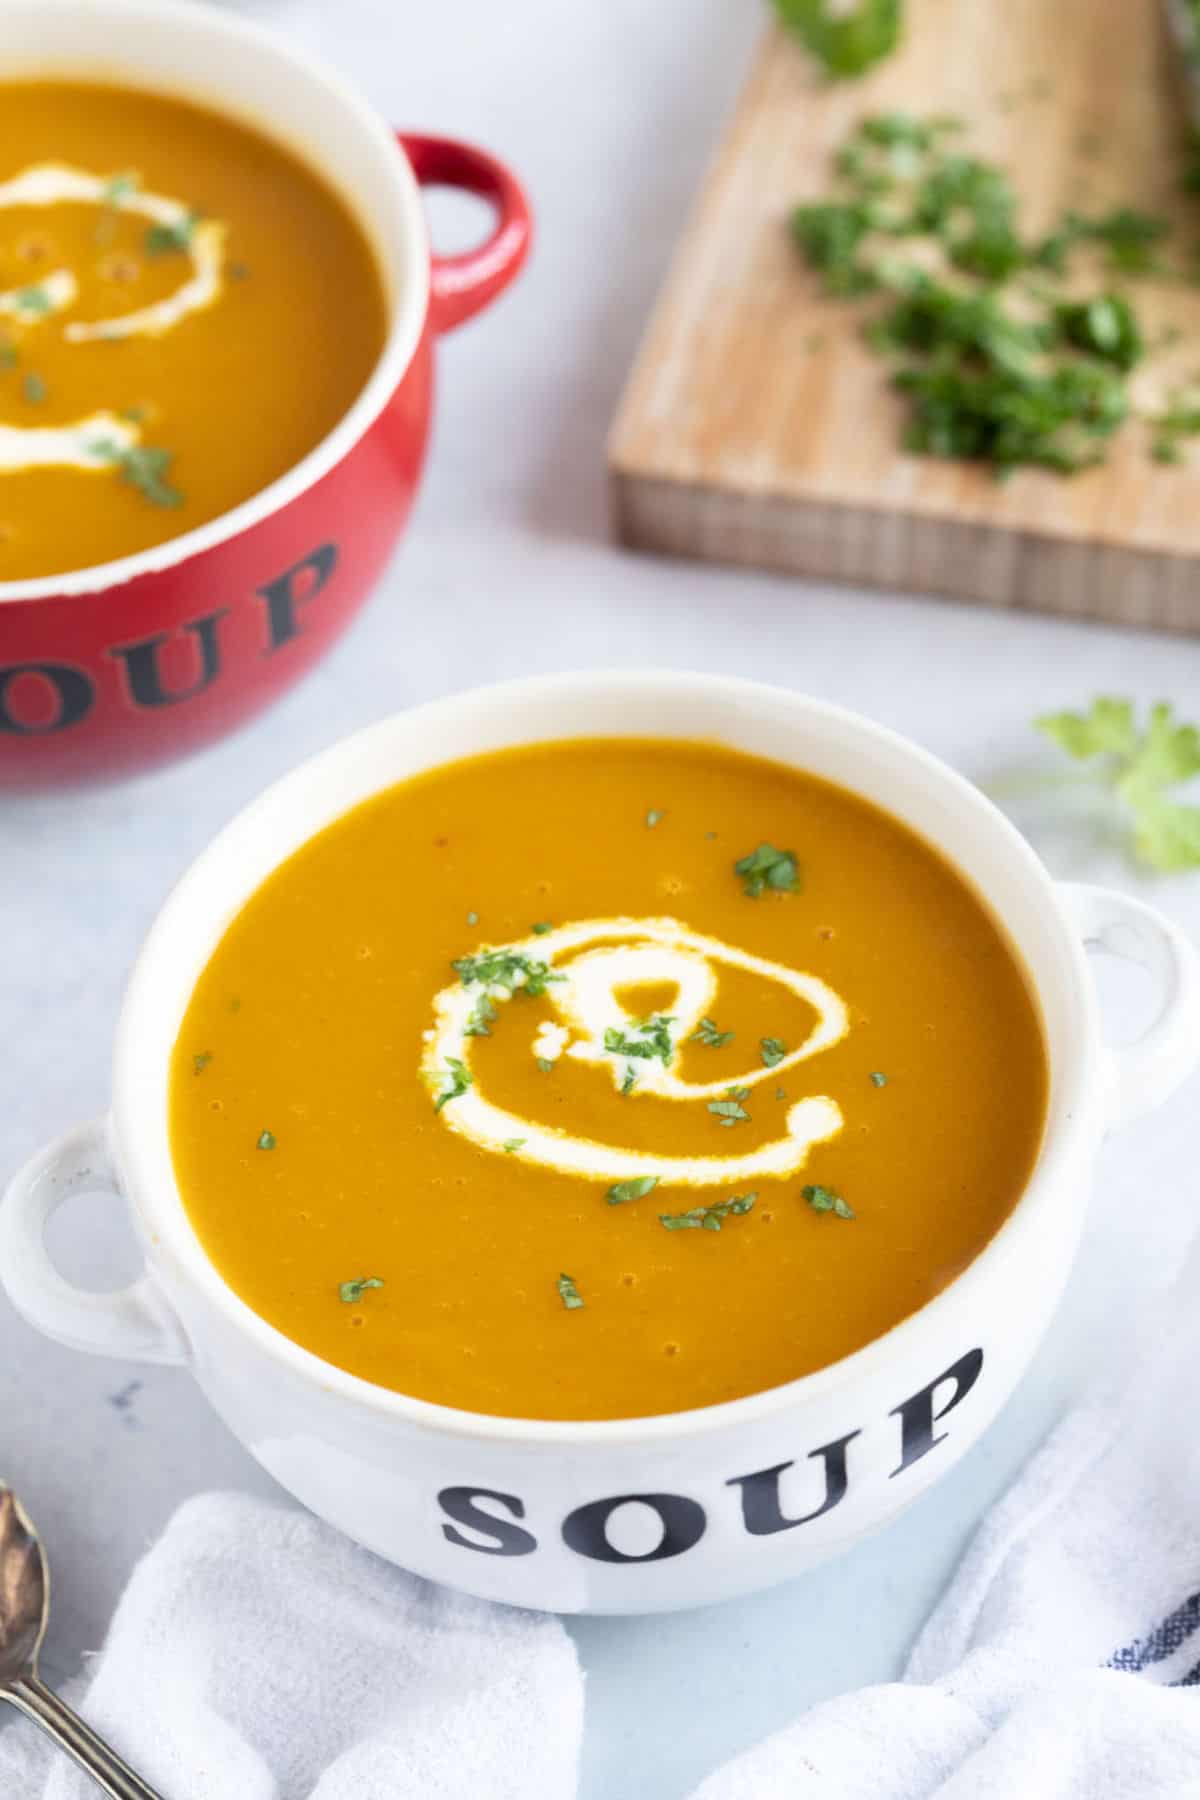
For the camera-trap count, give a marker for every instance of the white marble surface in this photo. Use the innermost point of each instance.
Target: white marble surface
(609, 113)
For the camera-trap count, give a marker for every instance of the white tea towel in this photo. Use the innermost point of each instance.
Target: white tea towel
(1064, 1661)
(258, 1655)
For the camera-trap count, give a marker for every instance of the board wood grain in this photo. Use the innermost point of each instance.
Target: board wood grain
(758, 428)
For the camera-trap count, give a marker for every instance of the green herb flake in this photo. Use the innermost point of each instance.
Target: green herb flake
(845, 39)
(634, 1189)
(33, 301)
(510, 970)
(629, 1079)
(649, 1038)
(480, 1020)
(768, 869)
(781, 1093)
(472, 918)
(142, 466)
(512, 1145)
(568, 1293)
(708, 1218)
(545, 1064)
(33, 389)
(201, 1061)
(163, 240)
(458, 1078)
(351, 1291)
(730, 1111)
(878, 1078)
(652, 819)
(772, 1050)
(542, 927)
(1141, 763)
(266, 1140)
(823, 1200)
(8, 355)
(708, 1033)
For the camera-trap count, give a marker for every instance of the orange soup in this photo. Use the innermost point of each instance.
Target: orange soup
(186, 310)
(604, 1078)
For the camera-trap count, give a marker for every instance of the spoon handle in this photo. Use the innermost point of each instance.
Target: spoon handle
(110, 1773)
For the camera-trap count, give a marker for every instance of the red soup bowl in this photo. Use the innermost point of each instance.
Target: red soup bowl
(109, 670)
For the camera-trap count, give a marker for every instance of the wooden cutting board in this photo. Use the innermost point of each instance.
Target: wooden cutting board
(757, 427)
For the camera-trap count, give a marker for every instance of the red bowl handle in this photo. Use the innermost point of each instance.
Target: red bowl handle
(460, 286)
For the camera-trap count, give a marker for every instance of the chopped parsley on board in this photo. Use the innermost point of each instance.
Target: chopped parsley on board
(1008, 348)
(847, 39)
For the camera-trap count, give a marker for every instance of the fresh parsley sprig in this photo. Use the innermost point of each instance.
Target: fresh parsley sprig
(1141, 763)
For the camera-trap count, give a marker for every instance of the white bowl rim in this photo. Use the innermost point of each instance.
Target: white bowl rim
(1078, 1084)
(408, 309)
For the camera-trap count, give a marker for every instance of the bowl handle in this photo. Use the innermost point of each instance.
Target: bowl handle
(460, 286)
(1145, 1073)
(135, 1321)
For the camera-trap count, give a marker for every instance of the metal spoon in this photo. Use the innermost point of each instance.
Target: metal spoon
(24, 1609)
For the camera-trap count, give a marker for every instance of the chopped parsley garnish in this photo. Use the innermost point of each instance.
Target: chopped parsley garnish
(266, 1140)
(480, 1020)
(512, 1145)
(458, 1077)
(161, 240)
(652, 819)
(545, 1064)
(629, 1079)
(33, 301)
(997, 362)
(846, 39)
(542, 927)
(768, 868)
(730, 1111)
(472, 918)
(8, 355)
(33, 389)
(708, 1033)
(568, 1293)
(1140, 765)
(772, 1050)
(511, 970)
(350, 1291)
(634, 1189)
(878, 1078)
(115, 191)
(823, 1200)
(650, 1038)
(201, 1061)
(708, 1218)
(781, 1093)
(142, 466)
